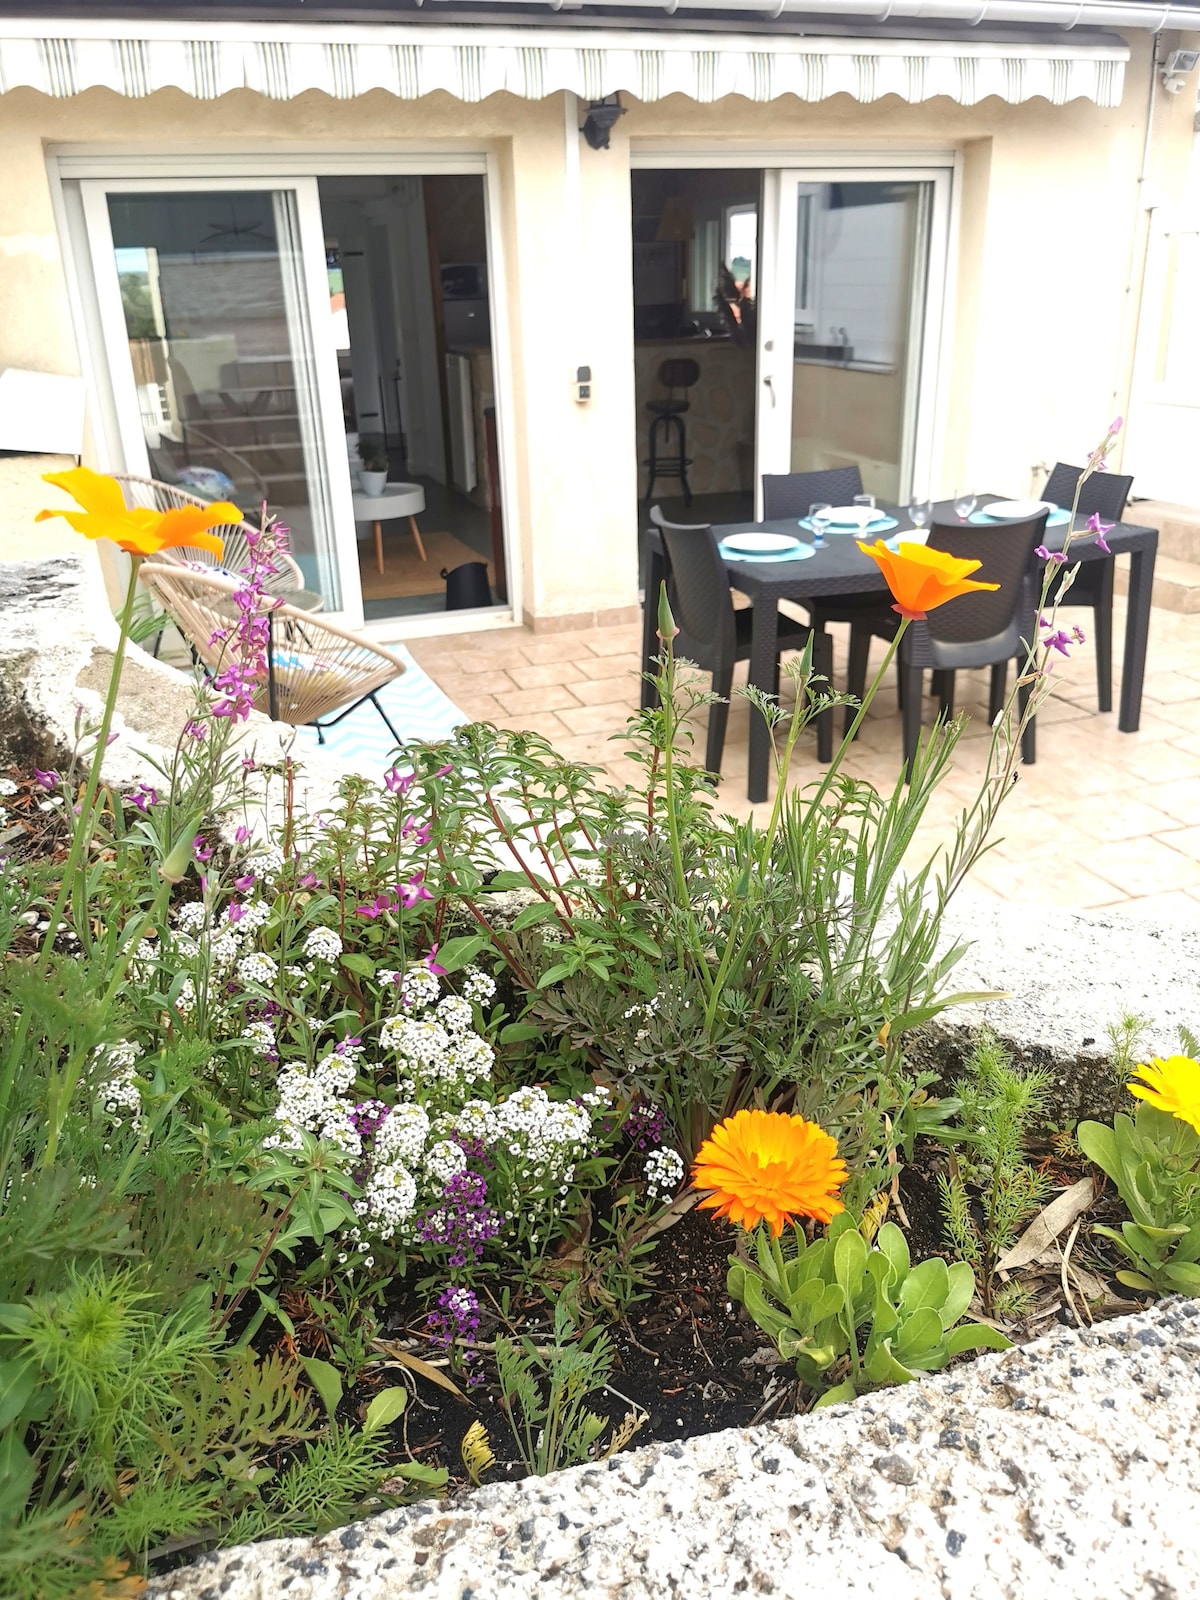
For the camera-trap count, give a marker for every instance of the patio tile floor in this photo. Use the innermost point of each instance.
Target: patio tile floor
(1101, 819)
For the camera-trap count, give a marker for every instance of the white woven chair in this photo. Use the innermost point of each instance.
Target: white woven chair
(158, 496)
(315, 667)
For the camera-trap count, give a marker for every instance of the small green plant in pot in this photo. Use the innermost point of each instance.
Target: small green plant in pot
(1154, 1161)
(372, 452)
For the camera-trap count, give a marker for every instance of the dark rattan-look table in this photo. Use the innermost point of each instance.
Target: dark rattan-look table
(841, 568)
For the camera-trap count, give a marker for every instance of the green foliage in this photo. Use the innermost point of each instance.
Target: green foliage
(545, 1393)
(991, 1189)
(854, 1316)
(1154, 1161)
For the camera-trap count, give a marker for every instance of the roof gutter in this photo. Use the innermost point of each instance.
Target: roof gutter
(1056, 13)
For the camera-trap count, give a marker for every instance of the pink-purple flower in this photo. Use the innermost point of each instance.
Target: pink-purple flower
(430, 962)
(143, 797)
(412, 891)
(201, 848)
(46, 780)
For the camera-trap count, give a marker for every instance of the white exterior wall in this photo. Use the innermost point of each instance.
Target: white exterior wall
(1041, 336)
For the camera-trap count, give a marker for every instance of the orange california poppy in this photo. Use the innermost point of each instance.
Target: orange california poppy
(766, 1166)
(1172, 1085)
(139, 531)
(921, 578)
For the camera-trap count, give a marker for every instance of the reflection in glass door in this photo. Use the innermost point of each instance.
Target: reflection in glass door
(210, 310)
(851, 355)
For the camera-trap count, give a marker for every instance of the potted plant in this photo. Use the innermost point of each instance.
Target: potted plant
(372, 452)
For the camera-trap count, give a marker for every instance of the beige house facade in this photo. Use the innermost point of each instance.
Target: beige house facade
(172, 188)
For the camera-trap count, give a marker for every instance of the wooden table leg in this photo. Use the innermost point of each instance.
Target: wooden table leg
(416, 533)
(378, 527)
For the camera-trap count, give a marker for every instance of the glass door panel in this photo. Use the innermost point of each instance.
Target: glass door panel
(860, 253)
(212, 303)
(849, 354)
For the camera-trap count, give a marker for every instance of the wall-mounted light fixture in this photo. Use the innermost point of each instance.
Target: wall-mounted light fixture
(1177, 68)
(600, 120)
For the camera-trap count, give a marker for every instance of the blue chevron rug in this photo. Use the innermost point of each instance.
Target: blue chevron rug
(416, 707)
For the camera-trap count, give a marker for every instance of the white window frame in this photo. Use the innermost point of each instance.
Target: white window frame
(125, 169)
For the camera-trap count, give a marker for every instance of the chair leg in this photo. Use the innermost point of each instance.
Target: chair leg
(387, 721)
(652, 458)
(1029, 737)
(914, 689)
(320, 732)
(378, 531)
(416, 533)
(997, 690)
(856, 676)
(681, 434)
(1102, 626)
(718, 719)
(823, 667)
(943, 687)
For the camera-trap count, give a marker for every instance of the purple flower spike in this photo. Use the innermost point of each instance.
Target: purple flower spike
(144, 797)
(246, 881)
(397, 782)
(1058, 641)
(309, 881)
(201, 849)
(430, 963)
(1042, 553)
(1102, 544)
(46, 780)
(195, 730)
(412, 891)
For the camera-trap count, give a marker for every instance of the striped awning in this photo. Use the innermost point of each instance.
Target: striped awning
(408, 61)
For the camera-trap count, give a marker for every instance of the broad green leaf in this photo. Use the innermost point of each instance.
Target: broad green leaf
(1184, 1276)
(456, 953)
(531, 914)
(894, 1246)
(326, 1380)
(919, 1334)
(960, 1287)
(1135, 1280)
(362, 966)
(836, 1395)
(1099, 1144)
(559, 971)
(418, 1472)
(849, 1263)
(927, 1285)
(519, 1033)
(387, 1405)
(976, 1336)
(18, 1379)
(883, 1367)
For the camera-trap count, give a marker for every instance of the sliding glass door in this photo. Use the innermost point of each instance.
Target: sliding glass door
(849, 335)
(214, 304)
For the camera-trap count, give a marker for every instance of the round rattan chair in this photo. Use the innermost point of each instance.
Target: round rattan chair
(315, 668)
(158, 496)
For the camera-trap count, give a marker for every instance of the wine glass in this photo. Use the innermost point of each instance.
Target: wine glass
(920, 512)
(964, 503)
(818, 519)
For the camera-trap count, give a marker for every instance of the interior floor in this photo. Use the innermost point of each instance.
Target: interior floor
(454, 530)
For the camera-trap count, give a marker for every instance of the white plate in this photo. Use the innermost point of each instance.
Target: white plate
(1007, 509)
(760, 544)
(854, 516)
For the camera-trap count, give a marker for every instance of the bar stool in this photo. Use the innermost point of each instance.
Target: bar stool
(677, 374)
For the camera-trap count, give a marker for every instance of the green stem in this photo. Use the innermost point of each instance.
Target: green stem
(83, 828)
(848, 739)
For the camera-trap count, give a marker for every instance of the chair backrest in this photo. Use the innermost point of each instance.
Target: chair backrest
(789, 494)
(156, 496)
(697, 587)
(1006, 553)
(679, 372)
(1103, 493)
(316, 667)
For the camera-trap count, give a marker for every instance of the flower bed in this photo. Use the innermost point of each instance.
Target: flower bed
(356, 1156)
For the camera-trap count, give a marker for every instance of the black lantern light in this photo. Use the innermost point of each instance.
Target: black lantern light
(600, 119)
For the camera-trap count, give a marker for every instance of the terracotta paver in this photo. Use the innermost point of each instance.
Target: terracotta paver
(1101, 819)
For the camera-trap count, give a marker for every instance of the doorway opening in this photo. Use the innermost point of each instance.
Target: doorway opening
(695, 286)
(407, 265)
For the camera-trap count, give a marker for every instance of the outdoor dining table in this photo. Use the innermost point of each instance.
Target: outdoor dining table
(840, 567)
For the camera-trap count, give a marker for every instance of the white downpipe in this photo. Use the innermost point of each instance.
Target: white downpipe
(1064, 14)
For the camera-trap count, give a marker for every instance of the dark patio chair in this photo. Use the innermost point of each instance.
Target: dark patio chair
(790, 495)
(984, 629)
(1104, 493)
(715, 635)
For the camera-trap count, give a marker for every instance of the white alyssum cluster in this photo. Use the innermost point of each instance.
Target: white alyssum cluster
(389, 1195)
(444, 1160)
(545, 1137)
(261, 1033)
(478, 987)
(313, 1102)
(418, 988)
(267, 860)
(258, 967)
(664, 1171)
(641, 1012)
(7, 787)
(441, 1048)
(117, 1094)
(323, 944)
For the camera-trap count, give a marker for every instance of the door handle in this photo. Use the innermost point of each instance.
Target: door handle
(771, 387)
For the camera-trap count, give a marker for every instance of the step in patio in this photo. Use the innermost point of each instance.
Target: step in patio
(1176, 584)
(1178, 527)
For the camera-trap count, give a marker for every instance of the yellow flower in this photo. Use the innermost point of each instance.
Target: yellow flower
(1172, 1085)
(768, 1166)
(921, 578)
(139, 531)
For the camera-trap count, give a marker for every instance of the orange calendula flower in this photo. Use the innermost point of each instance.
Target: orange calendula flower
(139, 530)
(1172, 1085)
(766, 1166)
(921, 578)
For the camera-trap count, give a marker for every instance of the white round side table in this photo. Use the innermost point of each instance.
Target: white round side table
(397, 500)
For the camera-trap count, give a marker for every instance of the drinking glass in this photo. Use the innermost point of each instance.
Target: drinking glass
(818, 519)
(920, 513)
(865, 500)
(964, 503)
